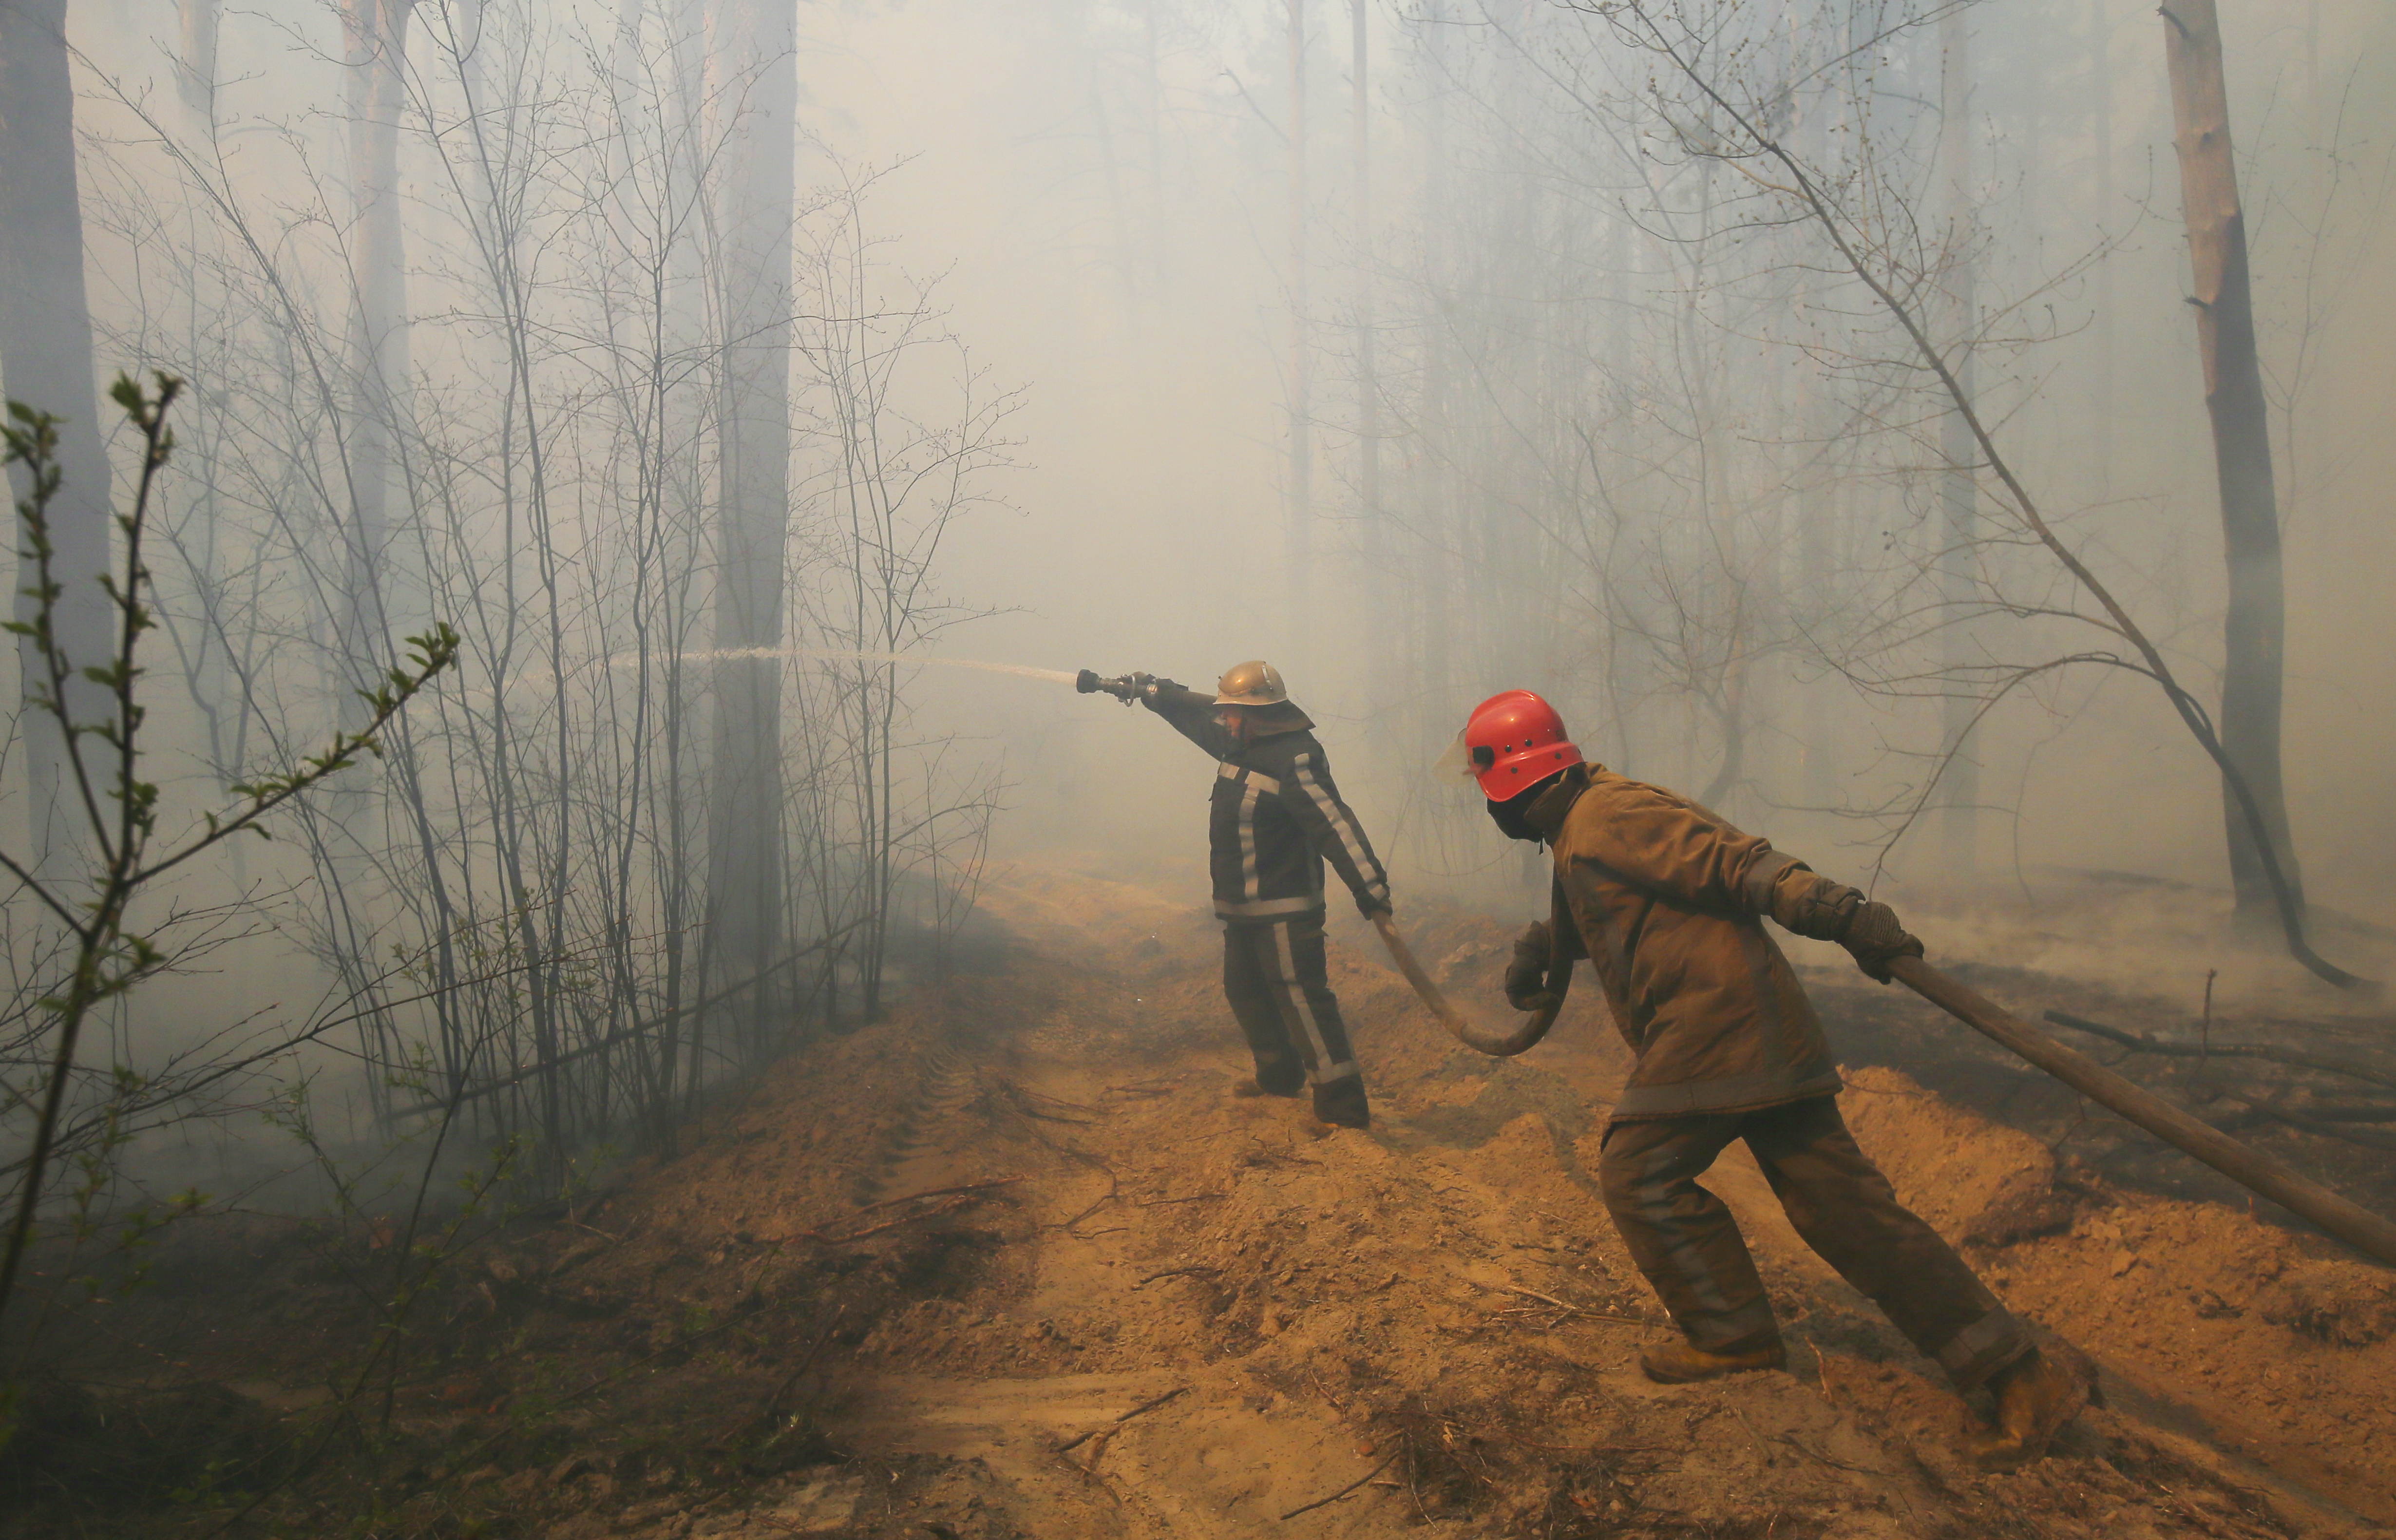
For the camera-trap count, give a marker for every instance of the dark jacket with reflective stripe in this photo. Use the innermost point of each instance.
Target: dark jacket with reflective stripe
(1664, 897)
(1276, 817)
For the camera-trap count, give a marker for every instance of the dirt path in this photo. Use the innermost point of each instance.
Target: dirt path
(1182, 1314)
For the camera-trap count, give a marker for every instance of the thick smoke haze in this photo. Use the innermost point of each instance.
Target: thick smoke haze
(1634, 441)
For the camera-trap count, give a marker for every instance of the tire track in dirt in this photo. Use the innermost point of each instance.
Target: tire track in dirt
(920, 1152)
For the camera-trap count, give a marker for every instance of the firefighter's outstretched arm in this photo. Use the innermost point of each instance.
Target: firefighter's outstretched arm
(1332, 829)
(1191, 713)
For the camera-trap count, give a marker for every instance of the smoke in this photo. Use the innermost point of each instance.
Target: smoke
(1060, 676)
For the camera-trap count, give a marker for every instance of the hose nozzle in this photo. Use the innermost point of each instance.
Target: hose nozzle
(1126, 688)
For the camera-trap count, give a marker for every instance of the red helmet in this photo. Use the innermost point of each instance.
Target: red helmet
(1514, 741)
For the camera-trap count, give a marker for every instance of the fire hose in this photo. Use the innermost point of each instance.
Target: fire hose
(2358, 1227)
(2351, 1223)
(1496, 1045)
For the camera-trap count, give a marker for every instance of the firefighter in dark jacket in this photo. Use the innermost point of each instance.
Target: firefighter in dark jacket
(1276, 817)
(1668, 900)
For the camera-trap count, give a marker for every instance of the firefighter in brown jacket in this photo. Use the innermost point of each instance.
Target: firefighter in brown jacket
(1666, 899)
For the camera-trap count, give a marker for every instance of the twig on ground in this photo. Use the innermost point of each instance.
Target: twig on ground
(1575, 1309)
(2140, 1043)
(953, 1205)
(1177, 1272)
(1160, 1202)
(1837, 1464)
(1353, 1486)
(2370, 1138)
(1148, 1405)
(942, 1192)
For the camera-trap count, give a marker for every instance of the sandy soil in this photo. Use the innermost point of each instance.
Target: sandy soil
(1438, 1310)
(1014, 1264)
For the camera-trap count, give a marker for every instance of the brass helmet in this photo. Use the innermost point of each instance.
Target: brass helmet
(1252, 684)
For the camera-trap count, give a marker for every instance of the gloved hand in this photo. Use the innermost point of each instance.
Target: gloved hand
(1526, 975)
(1874, 938)
(1374, 901)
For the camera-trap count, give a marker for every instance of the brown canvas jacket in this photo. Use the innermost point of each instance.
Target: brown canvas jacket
(1665, 897)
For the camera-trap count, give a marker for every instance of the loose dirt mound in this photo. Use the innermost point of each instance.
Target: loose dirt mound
(1014, 1264)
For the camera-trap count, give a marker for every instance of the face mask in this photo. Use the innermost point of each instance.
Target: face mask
(1507, 816)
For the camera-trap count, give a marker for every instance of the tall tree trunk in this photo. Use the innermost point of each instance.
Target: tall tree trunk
(752, 49)
(2255, 631)
(1301, 530)
(374, 38)
(1368, 378)
(46, 362)
(1959, 489)
(195, 61)
(2101, 129)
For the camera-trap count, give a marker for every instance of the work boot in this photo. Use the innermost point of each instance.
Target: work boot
(1680, 1364)
(1248, 1088)
(1341, 1103)
(2036, 1398)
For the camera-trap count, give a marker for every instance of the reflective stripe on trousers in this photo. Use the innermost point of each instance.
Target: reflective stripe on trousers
(1274, 979)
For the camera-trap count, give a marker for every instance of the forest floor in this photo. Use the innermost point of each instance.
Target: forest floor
(1013, 1263)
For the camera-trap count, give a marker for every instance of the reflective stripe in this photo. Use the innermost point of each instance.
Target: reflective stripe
(1247, 815)
(1258, 909)
(1256, 779)
(1349, 838)
(1300, 1012)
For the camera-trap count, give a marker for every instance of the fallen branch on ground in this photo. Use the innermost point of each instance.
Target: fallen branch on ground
(942, 1192)
(946, 1207)
(2144, 1045)
(1151, 1405)
(1575, 1309)
(1175, 1272)
(1354, 1485)
(2370, 1138)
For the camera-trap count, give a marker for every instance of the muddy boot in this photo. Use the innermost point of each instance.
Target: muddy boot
(1248, 1088)
(1682, 1365)
(1341, 1103)
(2036, 1397)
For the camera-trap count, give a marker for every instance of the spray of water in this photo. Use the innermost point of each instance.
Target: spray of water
(1054, 675)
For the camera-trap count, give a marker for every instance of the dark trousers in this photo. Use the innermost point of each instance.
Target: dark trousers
(1274, 976)
(1683, 1238)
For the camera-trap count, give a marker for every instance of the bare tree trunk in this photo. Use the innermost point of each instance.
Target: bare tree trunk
(46, 362)
(1959, 489)
(196, 63)
(753, 51)
(2101, 111)
(375, 37)
(2254, 632)
(1301, 531)
(1368, 378)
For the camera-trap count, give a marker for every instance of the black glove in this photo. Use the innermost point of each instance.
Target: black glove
(1526, 975)
(1875, 939)
(1374, 901)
